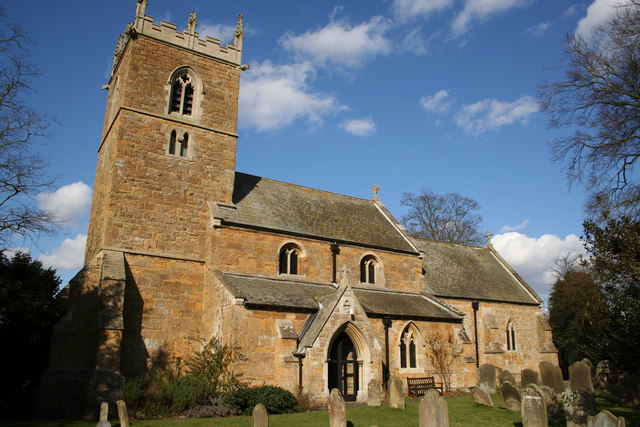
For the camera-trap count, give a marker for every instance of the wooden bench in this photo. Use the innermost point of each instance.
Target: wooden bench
(419, 386)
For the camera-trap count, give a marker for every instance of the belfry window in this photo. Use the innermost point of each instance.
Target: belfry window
(178, 146)
(182, 92)
(289, 259)
(368, 269)
(408, 349)
(511, 336)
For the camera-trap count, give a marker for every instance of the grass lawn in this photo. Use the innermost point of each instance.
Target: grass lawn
(463, 412)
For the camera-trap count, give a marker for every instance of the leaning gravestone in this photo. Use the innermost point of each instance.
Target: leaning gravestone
(433, 410)
(506, 375)
(396, 396)
(606, 419)
(337, 409)
(529, 376)
(122, 413)
(481, 397)
(260, 415)
(374, 393)
(534, 413)
(548, 397)
(487, 378)
(578, 404)
(511, 396)
(580, 377)
(551, 376)
(104, 415)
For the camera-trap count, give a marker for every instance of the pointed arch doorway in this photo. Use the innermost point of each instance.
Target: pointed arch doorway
(343, 367)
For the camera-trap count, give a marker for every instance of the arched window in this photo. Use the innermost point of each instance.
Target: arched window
(408, 348)
(182, 93)
(368, 269)
(511, 335)
(289, 259)
(181, 143)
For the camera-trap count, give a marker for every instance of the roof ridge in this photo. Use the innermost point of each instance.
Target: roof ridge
(427, 240)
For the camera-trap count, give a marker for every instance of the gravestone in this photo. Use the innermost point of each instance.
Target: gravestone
(260, 416)
(122, 413)
(104, 415)
(506, 375)
(396, 396)
(578, 404)
(511, 396)
(534, 413)
(337, 409)
(433, 410)
(487, 378)
(529, 376)
(606, 419)
(548, 397)
(481, 397)
(374, 393)
(580, 377)
(551, 376)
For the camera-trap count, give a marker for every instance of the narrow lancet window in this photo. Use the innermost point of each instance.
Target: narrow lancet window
(368, 269)
(289, 256)
(511, 336)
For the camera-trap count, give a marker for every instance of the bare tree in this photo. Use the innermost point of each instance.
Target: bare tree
(443, 351)
(447, 218)
(22, 171)
(599, 97)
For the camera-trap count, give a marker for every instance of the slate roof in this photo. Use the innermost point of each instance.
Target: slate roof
(273, 205)
(304, 296)
(470, 272)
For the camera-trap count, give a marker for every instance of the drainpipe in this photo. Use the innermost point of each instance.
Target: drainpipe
(475, 304)
(300, 356)
(386, 321)
(335, 250)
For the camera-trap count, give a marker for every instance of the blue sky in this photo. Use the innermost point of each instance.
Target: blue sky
(343, 95)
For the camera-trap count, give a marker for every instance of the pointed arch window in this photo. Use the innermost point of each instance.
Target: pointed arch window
(511, 335)
(178, 145)
(369, 269)
(182, 94)
(289, 259)
(408, 357)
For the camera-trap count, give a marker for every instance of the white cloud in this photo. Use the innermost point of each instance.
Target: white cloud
(361, 127)
(69, 255)
(598, 13)
(273, 96)
(538, 29)
(520, 226)
(408, 9)
(67, 203)
(438, 103)
(222, 32)
(340, 43)
(479, 10)
(533, 258)
(493, 114)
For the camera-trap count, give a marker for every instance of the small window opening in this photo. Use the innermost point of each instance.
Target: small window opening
(182, 92)
(289, 255)
(408, 357)
(368, 267)
(511, 336)
(183, 144)
(172, 142)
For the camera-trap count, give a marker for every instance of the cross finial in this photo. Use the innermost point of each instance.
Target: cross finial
(191, 24)
(488, 235)
(239, 28)
(375, 190)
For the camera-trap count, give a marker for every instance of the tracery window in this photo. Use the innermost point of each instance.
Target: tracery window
(182, 93)
(368, 269)
(511, 335)
(289, 259)
(178, 146)
(408, 348)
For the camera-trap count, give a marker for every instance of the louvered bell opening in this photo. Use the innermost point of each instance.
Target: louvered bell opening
(176, 95)
(188, 100)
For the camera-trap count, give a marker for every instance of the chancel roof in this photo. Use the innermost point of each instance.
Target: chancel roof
(273, 205)
(469, 272)
(259, 292)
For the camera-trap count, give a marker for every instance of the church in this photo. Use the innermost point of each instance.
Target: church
(316, 290)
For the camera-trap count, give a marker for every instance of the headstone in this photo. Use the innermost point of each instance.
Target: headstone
(104, 415)
(548, 397)
(487, 378)
(606, 419)
(529, 376)
(396, 396)
(511, 396)
(123, 415)
(337, 410)
(433, 410)
(374, 393)
(533, 410)
(551, 376)
(580, 377)
(260, 416)
(506, 375)
(481, 397)
(578, 404)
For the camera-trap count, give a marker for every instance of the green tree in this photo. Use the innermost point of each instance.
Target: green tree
(447, 217)
(29, 308)
(599, 99)
(614, 247)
